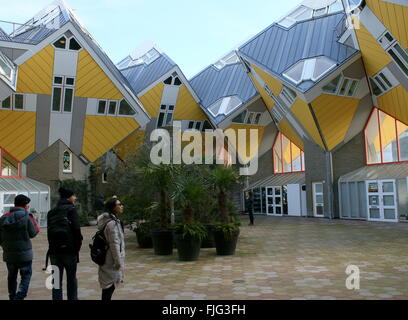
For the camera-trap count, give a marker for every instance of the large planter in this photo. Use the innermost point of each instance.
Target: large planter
(208, 241)
(162, 242)
(225, 245)
(144, 239)
(188, 248)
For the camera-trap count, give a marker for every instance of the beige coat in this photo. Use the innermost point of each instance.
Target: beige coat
(108, 275)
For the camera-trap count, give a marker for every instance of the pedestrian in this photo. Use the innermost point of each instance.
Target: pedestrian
(17, 228)
(65, 241)
(250, 207)
(111, 274)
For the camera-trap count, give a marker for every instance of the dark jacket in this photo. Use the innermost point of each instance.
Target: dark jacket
(250, 204)
(69, 208)
(17, 228)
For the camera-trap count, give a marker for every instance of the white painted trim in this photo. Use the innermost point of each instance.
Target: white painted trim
(155, 83)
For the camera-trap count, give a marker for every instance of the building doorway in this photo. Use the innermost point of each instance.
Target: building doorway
(382, 200)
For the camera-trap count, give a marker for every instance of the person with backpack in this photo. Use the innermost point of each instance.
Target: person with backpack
(17, 228)
(111, 273)
(65, 241)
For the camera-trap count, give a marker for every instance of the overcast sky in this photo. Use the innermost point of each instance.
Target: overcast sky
(194, 33)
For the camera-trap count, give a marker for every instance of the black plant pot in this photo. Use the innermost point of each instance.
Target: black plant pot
(226, 244)
(208, 241)
(144, 239)
(188, 248)
(162, 242)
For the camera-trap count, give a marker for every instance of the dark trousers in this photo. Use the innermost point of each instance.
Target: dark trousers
(25, 269)
(251, 216)
(68, 263)
(107, 293)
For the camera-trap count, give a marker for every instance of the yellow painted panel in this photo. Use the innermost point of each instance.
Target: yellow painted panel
(246, 155)
(130, 144)
(103, 133)
(266, 98)
(395, 103)
(92, 82)
(35, 75)
(374, 56)
(287, 130)
(273, 84)
(302, 112)
(19, 143)
(394, 17)
(187, 108)
(334, 115)
(151, 100)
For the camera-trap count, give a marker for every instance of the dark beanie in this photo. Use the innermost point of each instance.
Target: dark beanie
(65, 193)
(21, 200)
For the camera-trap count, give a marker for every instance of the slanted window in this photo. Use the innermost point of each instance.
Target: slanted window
(107, 107)
(74, 45)
(67, 161)
(396, 52)
(247, 117)
(288, 95)
(67, 44)
(112, 107)
(102, 106)
(382, 82)
(386, 139)
(5, 67)
(173, 80)
(125, 109)
(63, 94)
(13, 102)
(195, 125)
(311, 69)
(165, 117)
(225, 106)
(342, 86)
(10, 166)
(61, 43)
(287, 157)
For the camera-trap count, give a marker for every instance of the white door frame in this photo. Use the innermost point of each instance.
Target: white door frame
(273, 198)
(380, 194)
(314, 193)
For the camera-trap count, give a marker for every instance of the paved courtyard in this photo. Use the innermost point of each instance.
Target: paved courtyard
(279, 258)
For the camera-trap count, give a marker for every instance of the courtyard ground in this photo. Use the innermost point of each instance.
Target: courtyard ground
(279, 258)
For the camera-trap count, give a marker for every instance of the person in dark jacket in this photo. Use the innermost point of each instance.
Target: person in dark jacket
(250, 207)
(65, 256)
(17, 228)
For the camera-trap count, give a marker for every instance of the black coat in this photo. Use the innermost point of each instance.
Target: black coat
(16, 232)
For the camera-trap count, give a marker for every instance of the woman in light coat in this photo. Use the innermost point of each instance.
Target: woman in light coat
(112, 272)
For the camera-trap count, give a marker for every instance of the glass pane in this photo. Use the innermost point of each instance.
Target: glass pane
(322, 66)
(398, 61)
(295, 73)
(374, 200)
(270, 201)
(372, 134)
(320, 210)
(277, 191)
(56, 100)
(168, 80)
(257, 118)
(69, 96)
(319, 199)
(277, 155)
(270, 191)
(61, 43)
(388, 201)
(112, 107)
(9, 199)
(403, 140)
(171, 108)
(9, 166)
(160, 121)
(67, 161)
(344, 86)
(74, 45)
(102, 107)
(376, 90)
(373, 187)
(388, 138)
(402, 52)
(58, 80)
(198, 125)
(286, 154)
(5, 69)
(6, 104)
(374, 213)
(353, 88)
(382, 85)
(177, 82)
(18, 101)
(388, 187)
(169, 118)
(332, 86)
(70, 81)
(125, 109)
(319, 187)
(191, 125)
(389, 214)
(250, 117)
(387, 82)
(278, 201)
(240, 118)
(278, 210)
(296, 158)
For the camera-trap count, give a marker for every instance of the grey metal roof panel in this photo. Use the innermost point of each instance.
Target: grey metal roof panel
(277, 48)
(141, 76)
(279, 180)
(386, 171)
(212, 84)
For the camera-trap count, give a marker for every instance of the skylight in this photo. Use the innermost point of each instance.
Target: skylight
(311, 69)
(225, 106)
(7, 70)
(230, 58)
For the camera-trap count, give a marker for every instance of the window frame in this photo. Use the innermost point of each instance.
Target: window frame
(13, 101)
(70, 170)
(279, 139)
(165, 112)
(19, 173)
(342, 80)
(381, 83)
(389, 46)
(67, 44)
(64, 87)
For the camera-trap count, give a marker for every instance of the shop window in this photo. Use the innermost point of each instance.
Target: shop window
(287, 157)
(67, 161)
(386, 139)
(10, 166)
(63, 94)
(13, 102)
(125, 109)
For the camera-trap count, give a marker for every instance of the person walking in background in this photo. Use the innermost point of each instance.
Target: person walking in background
(112, 272)
(17, 228)
(65, 241)
(250, 207)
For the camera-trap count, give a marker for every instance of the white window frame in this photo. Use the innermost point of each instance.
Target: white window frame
(388, 46)
(195, 123)
(67, 42)
(340, 85)
(286, 96)
(165, 111)
(107, 103)
(64, 86)
(70, 170)
(12, 102)
(173, 79)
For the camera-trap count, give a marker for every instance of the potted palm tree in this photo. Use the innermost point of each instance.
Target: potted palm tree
(189, 189)
(224, 180)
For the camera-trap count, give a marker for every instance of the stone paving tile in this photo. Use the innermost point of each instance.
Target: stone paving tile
(279, 258)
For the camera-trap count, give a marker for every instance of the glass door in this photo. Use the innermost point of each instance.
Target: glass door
(274, 201)
(382, 200)
(318, 199)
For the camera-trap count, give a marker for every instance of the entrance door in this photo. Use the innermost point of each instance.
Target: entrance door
(318, 199)
(382, 200)
(274, 201)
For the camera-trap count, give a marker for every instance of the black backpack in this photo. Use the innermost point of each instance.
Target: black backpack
(59, 231)
(99, 246)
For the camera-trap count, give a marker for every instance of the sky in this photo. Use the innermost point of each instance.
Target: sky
(194, 33)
